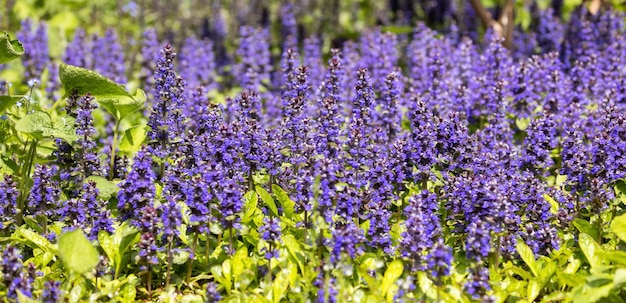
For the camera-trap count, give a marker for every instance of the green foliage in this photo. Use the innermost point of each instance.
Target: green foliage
(111, 96)
(9, 49)
(77, 253)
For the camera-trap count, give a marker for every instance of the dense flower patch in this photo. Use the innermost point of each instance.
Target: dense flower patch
(435, 167)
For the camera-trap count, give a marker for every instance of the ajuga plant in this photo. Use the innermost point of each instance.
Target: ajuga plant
(275, 162)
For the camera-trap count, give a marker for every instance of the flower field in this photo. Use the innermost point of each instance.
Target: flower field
(430, 160)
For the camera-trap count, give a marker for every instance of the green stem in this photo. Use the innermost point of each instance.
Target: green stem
(193, 252)
(26, 170)
(169, 263)
(113, 149)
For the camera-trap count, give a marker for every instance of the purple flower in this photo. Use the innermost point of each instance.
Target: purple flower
(197, 63)
(51, 292)
(14, 276)
(108, 56)
(271, 233)
(85, 155)
(422, 228)
(137, 191)
(45, 193)
(477, 284)
(346, 238)
(35, 44)
(77, 51)
(439, 259)
(8, 200)
(166, 119)
(212, 293)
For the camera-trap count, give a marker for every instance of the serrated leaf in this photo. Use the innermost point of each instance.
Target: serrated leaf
(77, 253)
(9, 49)
(527, 255)
(393, 272)
(133, 139)
(106, 188)
(590, 249)
(267, 199)
(111, 96)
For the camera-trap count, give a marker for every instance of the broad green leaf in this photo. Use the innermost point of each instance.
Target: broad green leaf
(239, 260)
(527, 255)
(77, 253)
(251, 200)
(620, 277)
(534, 287)
(35, 240)
(111, 96)
(585, 227)
(614, 256)
(120, 107)
(284, 200)
(34, 124)
(133, 139)
(589, 294)
(618, 226)
(9, 49)
(295, 249)
(590, 248)
(7, 101)
(279, 287)
(267, 199)
(62, 127)
(372, 282)
(393, 272)
(106, 188)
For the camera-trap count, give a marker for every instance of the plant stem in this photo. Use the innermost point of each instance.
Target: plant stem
(193, 252)
(149, 281)
(230, 240)
(113, 149)
(169, 262)
(26, 170)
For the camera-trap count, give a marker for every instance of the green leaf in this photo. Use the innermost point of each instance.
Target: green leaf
(77, 253)
(393, 272)
(585, 227)
(7, 101)
(106, 188)
(9, 49)
(615, 256)
(251, 200)
(111, 96)
(35, 240)
(618, 226)
(62, 127)
(34, 124)
(120, 107)
(534, 287)
(527, 255)
(284, 200)
(22, 298)
(267, 199)
(590, 248)
(620, 277)
(133, 139)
